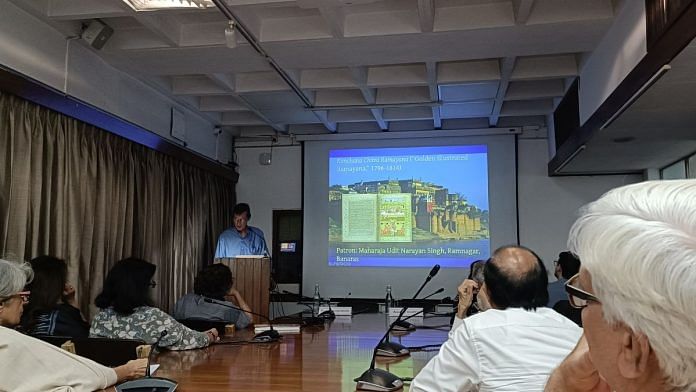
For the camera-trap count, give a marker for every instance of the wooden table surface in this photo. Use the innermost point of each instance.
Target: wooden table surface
(318, 359)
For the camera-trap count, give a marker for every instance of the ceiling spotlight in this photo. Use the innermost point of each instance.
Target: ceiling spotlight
(231, 35)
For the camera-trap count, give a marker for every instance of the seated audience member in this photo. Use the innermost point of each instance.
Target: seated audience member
(637, 291)
(52, 308)
(514, 343)
(28, 364)
(213, 281)
(567, 265)
(127, 311)
(467, 309)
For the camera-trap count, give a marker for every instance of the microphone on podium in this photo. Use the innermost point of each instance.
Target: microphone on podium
(148, 383)
(263, 337)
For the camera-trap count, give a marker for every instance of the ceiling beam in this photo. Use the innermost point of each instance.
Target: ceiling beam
(426, 15)
(431, 70)
(85, 9)
(506, 66)
(334, 18)
(165, 28)
(323, 116)
(522, 9)
(360, 78)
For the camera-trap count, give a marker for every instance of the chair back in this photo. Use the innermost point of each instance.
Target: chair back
(106, 351)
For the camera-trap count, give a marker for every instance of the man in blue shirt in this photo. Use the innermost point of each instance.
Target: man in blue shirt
(241, 239)
(567, 265)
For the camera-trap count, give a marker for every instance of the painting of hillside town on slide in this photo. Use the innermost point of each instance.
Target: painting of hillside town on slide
(408, 207)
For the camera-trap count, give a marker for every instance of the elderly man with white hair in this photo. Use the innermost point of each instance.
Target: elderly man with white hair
(637, 291)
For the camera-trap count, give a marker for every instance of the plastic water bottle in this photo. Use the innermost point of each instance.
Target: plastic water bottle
(388, 300)
(316, 300)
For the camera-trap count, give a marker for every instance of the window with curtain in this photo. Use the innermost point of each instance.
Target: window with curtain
(74, 191)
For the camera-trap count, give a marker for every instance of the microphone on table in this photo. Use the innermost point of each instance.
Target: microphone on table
(404, 325)
(262, 337)
(148, 383)
(387, 348)
(401, 325)
(379, 379)
(316, 318)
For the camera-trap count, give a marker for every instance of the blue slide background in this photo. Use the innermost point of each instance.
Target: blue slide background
(440, 165)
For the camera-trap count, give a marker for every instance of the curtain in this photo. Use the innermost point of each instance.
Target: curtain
(71, 190)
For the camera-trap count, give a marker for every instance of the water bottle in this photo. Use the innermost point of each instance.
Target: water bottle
(316, 300)
(388, 300)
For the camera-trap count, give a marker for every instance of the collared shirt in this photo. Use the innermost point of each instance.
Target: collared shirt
(231, 244)
(557, 292)
(193, 306)
(500, 350)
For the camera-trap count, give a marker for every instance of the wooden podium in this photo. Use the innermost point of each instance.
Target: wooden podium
(252, 278)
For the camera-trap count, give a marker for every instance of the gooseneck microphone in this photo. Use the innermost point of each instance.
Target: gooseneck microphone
(262, 337)
(316, 318)
(387, 348)
(379, 379)
(393, 350)
(148, 383)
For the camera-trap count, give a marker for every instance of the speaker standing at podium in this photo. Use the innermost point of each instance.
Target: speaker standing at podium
(241, 239)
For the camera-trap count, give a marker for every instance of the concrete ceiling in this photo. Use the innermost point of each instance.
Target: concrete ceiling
(366, 65)
(654, 131)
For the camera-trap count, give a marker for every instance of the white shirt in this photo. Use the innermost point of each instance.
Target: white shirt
(29, 365)
(500, 350)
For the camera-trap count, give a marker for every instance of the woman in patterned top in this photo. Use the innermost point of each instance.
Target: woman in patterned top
(127, 311)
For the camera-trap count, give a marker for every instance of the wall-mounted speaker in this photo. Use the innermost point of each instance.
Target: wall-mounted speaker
(97, 33)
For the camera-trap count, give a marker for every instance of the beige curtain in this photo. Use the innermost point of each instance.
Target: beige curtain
(74, 191)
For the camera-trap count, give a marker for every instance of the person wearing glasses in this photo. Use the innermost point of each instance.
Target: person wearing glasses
(513, 343)
(28, 364)
(52, 309)
(566, 266)
(127, 311)
(637, 291)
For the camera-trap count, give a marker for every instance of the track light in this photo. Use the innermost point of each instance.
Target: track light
(231, 35)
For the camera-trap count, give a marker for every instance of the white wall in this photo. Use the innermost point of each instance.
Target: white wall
(277, 186)
(621, 49)
(547, 205)
(32, 48)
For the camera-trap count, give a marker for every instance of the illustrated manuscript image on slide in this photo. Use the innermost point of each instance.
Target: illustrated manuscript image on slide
(408, 207)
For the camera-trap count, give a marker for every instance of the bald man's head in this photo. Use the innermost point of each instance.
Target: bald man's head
(515, 277)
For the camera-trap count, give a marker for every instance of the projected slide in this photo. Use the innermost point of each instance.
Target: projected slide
(408, 207)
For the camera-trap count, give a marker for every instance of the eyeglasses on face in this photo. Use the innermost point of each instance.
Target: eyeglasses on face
(24, 295)
(578, 297)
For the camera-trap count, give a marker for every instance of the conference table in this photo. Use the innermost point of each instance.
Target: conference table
(320, 358)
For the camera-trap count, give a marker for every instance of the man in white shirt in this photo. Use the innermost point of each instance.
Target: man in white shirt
(511, 346)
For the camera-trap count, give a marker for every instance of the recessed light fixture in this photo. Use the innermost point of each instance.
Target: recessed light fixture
(155, 5)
